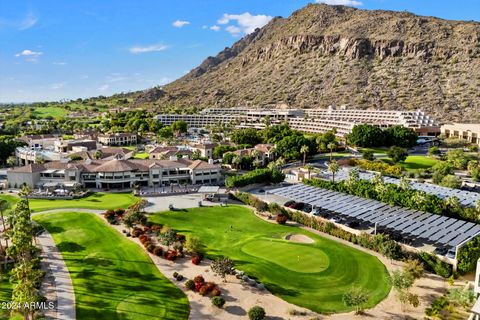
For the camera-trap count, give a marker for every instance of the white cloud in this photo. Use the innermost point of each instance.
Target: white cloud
(246, 22)
(180, 23)
(150, 48)
(215, 28)
(234, 30)
(352, 3)
(103, 88)
(29, 53)
(29, 21)
(56, 86)
(30, 56)
(60, 63)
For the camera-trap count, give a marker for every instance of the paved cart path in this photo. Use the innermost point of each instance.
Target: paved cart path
(62, 280)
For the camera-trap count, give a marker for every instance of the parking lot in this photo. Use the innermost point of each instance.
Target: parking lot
(183, 201)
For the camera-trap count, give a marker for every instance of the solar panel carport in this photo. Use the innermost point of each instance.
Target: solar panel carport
(411, 224)
(466, 198)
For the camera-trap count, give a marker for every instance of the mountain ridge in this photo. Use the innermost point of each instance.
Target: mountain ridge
(323, 55)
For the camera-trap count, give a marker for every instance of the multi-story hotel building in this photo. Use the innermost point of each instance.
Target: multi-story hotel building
(308, 120)
(466, 131)
(115, 174)
(117, 139)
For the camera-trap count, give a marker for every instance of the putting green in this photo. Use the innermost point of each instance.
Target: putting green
(294, 257)
(326, 270)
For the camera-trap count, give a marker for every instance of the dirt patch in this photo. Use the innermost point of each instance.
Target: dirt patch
(301, 238)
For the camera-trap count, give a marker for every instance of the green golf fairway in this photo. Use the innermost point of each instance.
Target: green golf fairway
(292, 256)
(113, 278)
(314, 276)
(96, 201)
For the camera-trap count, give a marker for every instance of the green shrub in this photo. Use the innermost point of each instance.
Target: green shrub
(256, 313)
(255, 176)
(468, 256)
(218, 301)
(190, 285)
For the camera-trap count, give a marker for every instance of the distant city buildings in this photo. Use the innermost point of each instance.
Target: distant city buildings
(307, 120)
(466, 131)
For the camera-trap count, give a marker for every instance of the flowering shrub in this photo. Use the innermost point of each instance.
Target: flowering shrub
(198, 286)
(281, 219)
(210, 286)
(203, 290)
(199, 279)
(136, 232)
(158, 251)
(170, 255)
(143, 238)
(216, 292)
(196, 260)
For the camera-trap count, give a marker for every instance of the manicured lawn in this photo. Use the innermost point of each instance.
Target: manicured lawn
(55, 112)
(99, 200)
(5, 293)
(374, 150)
(415, 162)
(12, 200)
(314, 275)
(113, 278)
(141, 155)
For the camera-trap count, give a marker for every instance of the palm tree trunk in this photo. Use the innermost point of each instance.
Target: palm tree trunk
(304, 158)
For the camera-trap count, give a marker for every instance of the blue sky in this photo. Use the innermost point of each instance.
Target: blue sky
(53, 49)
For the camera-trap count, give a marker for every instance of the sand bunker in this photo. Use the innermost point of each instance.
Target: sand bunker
(299, 238)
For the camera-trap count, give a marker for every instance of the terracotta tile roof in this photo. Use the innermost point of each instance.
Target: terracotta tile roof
(31, 168)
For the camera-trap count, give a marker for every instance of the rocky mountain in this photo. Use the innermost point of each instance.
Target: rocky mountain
(323, 55)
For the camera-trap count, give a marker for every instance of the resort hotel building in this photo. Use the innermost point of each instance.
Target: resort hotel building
(342, 119)
(117, 173)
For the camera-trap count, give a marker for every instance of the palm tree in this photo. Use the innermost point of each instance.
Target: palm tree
(304, 149)
(4, 205)
(331, 146)
(333, 167)
(309, 168)
(280, 162)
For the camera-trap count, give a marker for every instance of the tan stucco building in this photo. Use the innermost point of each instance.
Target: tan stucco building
(466, 131)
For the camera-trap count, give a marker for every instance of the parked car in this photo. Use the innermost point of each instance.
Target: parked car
(451, 254)
(289, 203)
(335, 219)
(298, 206)
(441, 251)
(307, 208)
(352, 224)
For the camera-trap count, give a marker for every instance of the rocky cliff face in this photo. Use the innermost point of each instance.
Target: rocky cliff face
(324, 55)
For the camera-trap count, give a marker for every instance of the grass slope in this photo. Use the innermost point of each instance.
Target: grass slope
(414, 162)
(314, 276)
(113, 278)
(99, 200)
(51, 111)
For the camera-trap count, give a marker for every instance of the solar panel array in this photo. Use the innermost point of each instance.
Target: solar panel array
(467, 198)
(429, 228)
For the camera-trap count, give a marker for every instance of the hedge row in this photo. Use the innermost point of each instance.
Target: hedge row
(379, 243)
(378, 166)
(255, 176)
